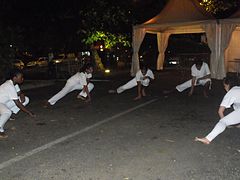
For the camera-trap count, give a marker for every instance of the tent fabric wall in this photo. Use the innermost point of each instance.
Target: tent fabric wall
(138, 36)
(225, 34)
(185, 17)
(211, 30)
(162, 41)
(232, 53)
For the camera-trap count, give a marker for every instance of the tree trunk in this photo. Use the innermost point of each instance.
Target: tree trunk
(97, 59)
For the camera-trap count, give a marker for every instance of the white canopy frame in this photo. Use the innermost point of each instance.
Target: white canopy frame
(186, 18)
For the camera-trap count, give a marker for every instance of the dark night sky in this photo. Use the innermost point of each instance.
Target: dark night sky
(55, 22)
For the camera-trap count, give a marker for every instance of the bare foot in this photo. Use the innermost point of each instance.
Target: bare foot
(205, 94)
(137, 98)
(238, 126)
(112, 91)
(203, 140)
(81, 97)
(3, 135)
(166, 92)
(46, 104)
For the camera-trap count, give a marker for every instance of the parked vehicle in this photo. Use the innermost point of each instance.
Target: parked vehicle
(42, 61)
(18, 64)
(58, 59)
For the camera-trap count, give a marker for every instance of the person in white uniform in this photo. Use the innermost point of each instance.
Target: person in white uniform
(141, 80)
(200, 76)
(231, 98)
(79, 81)
(22, 98)
(8, 93)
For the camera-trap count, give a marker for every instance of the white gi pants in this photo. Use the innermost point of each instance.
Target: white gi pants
(5, 114)
(231, 119)
(188, 84)
(13, 107)
(132, 83)
(69, 87)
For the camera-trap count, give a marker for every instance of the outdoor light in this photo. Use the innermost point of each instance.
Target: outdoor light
(107, 71)
(101, 47)
(11, 45)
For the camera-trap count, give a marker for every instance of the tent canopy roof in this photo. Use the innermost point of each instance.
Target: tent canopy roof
(183, 16)
(177, 11)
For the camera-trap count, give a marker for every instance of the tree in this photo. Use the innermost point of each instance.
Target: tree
(109, 39)
(220, 8)
(109, 22)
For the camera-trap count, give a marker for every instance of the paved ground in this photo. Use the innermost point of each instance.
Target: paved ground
(116, 138)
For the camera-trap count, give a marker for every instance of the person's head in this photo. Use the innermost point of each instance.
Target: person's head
(199, 63)
(143, 68)
(88, 68)
(229, 82)
(16, 76)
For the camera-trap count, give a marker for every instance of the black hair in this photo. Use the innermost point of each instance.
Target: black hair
(12, 73)
(143, 66)
(231, 81)
(199, 62)
(86, 66)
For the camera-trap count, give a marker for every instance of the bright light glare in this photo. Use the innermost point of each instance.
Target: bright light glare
(173, 62)
(107, 71)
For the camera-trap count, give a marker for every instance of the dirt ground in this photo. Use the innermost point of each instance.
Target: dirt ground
(116, 138)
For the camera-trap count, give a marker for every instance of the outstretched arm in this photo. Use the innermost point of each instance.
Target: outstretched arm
(221, 111)
(85, 88)
(23, 108)
(204, 77)
(139, 96)
(192, 87)
(22, 96)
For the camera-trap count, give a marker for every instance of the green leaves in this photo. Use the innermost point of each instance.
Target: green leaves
(220, 8)
(110, 40)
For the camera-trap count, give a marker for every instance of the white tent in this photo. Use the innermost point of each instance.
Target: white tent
(186, 17)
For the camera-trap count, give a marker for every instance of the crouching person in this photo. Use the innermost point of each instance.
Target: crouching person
(21, 97)
(141, 80)
(9, 95)
(200, 76)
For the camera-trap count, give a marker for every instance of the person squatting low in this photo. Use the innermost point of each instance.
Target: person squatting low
(142, 80)
(79, 81)
(231, 98)
(200, 76)
(22, 98)
(11, 100)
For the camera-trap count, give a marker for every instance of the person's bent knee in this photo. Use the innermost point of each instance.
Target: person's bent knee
(146, 82)
(223, 122)
(91, 85)
(26, 101)
(7, 112)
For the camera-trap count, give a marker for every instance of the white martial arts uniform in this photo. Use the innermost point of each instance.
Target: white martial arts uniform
(11, 104)
(139, 77)
(7, 93)
(198, 74)
(231, 98)
(76, 82)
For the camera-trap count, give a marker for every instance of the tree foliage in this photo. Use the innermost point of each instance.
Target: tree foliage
(110, 40)
(220, 8)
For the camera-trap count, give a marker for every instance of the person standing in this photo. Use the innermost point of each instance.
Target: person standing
(141, 80)
(8, 93)
(79, 81)
(231, 98)
(200, 76)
